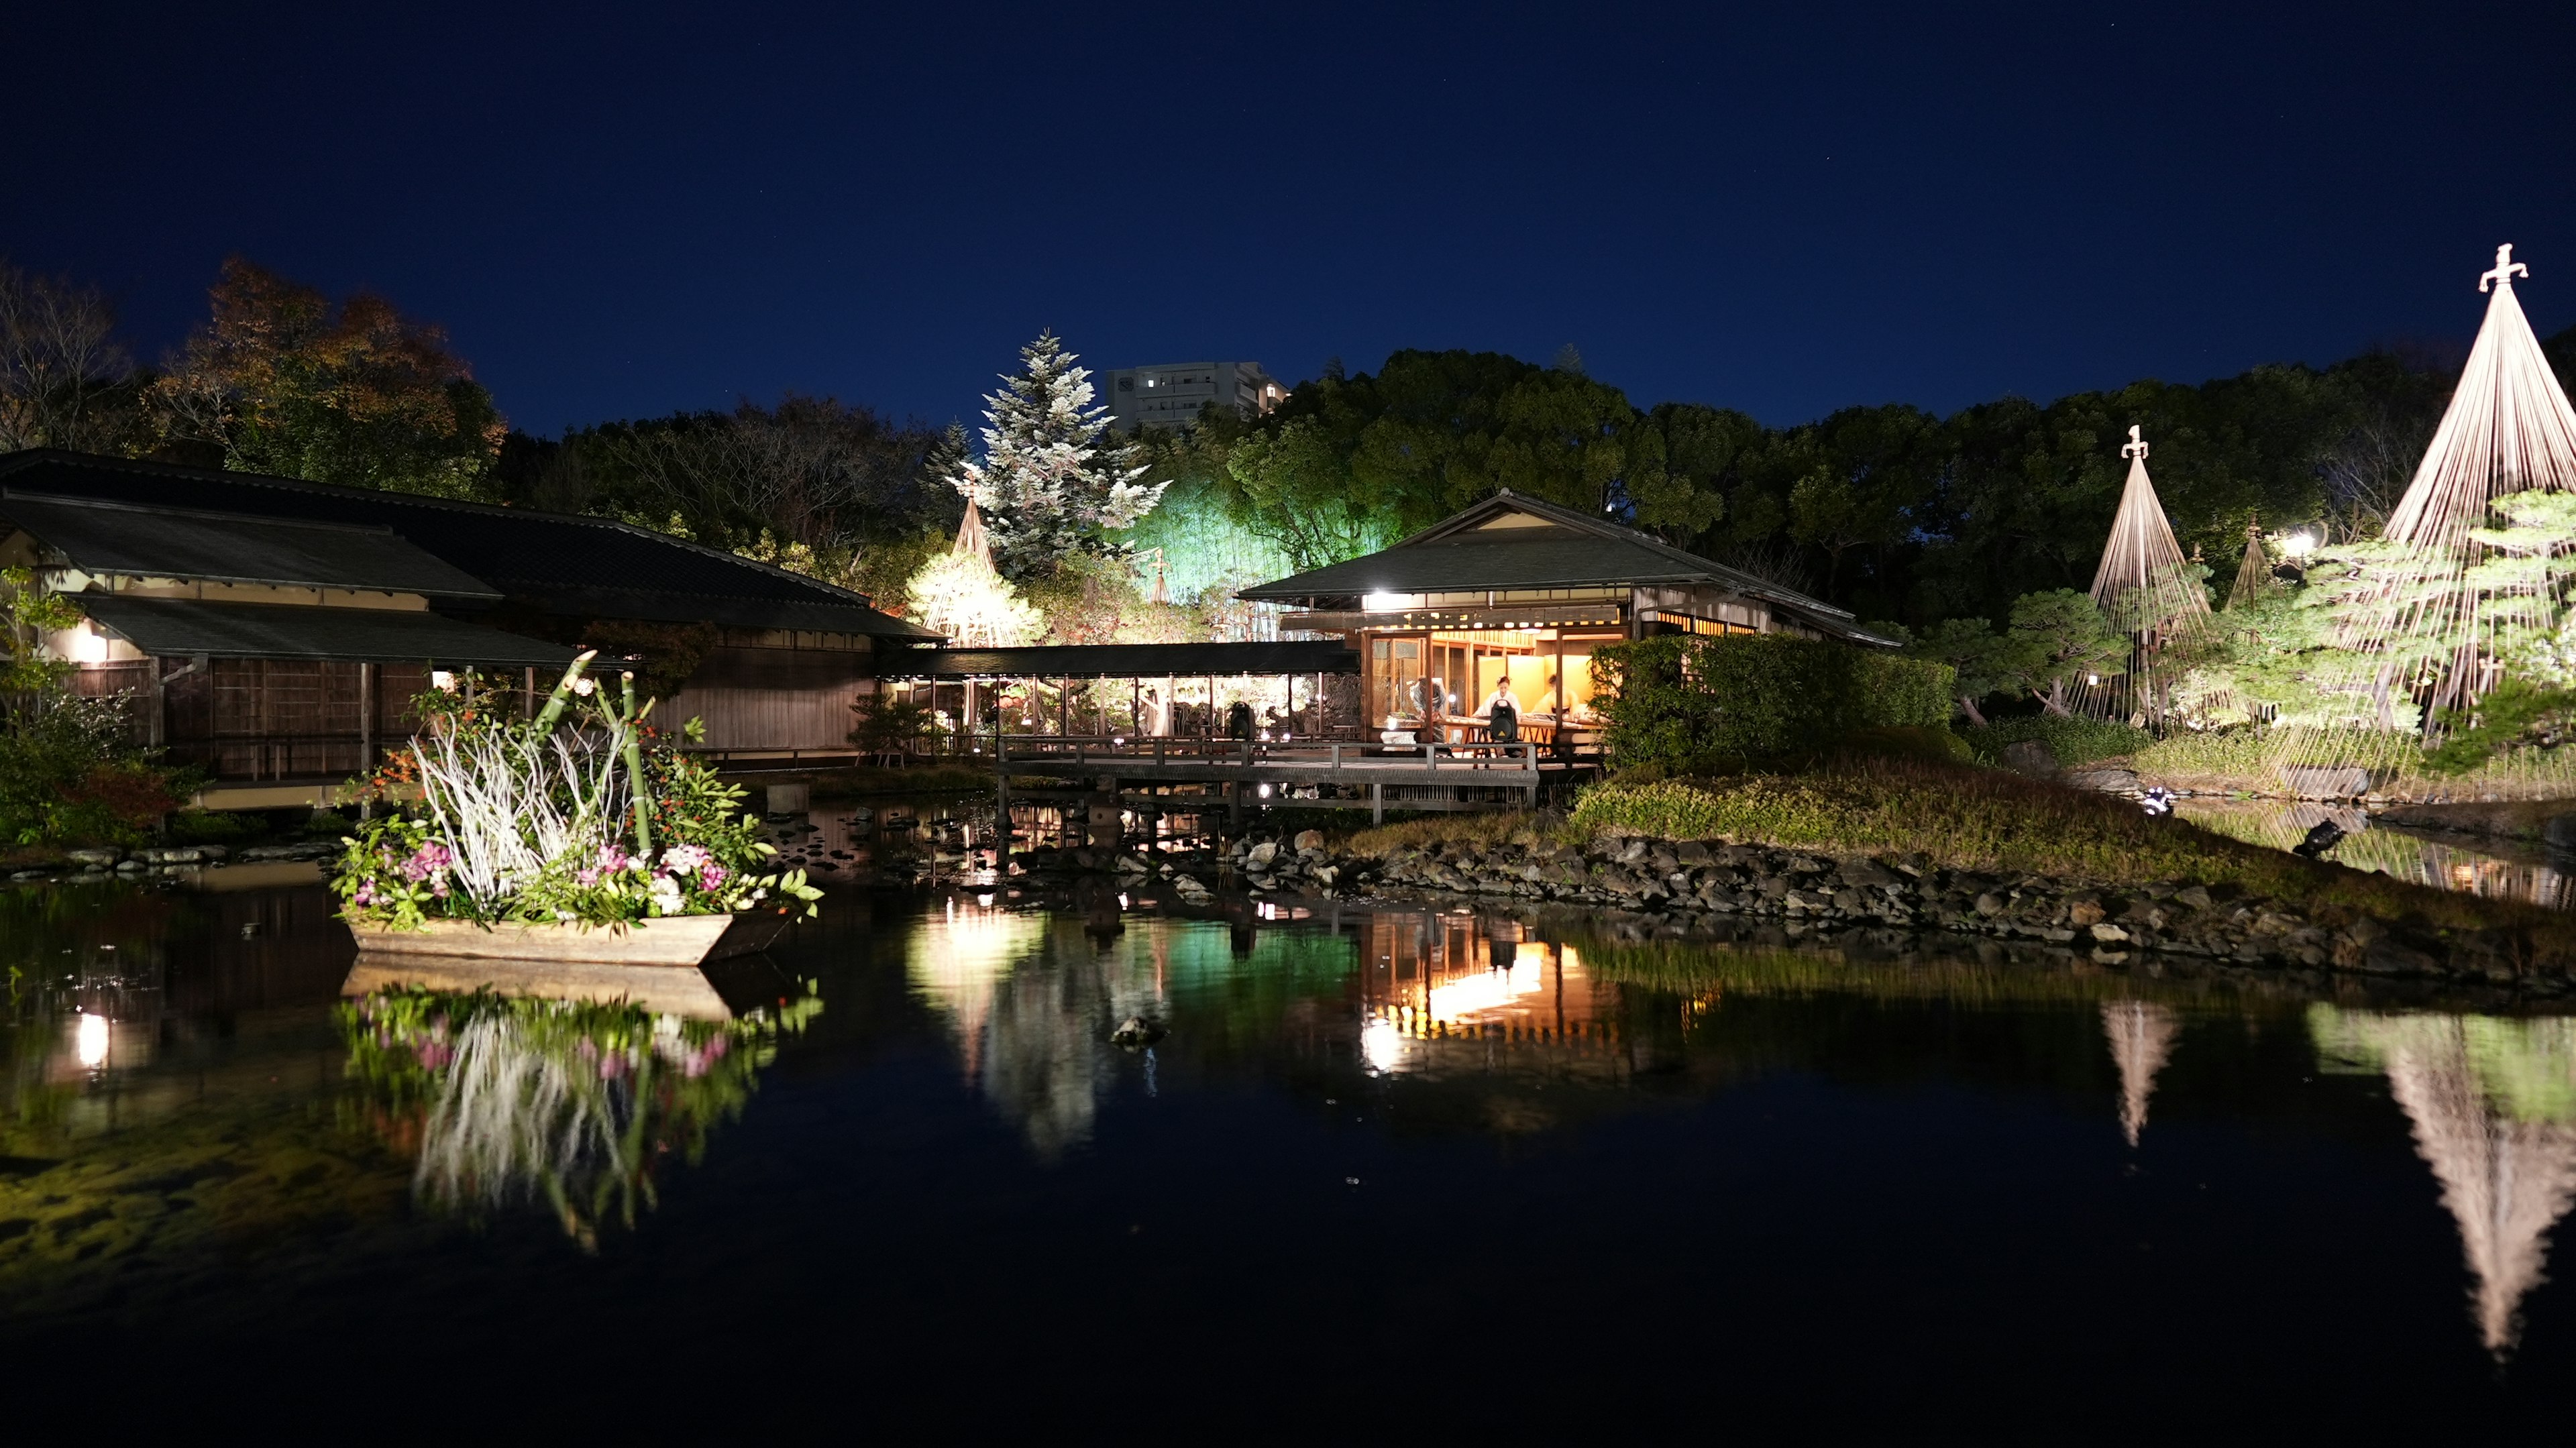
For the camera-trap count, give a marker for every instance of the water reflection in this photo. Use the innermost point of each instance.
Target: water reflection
(2493, 1104)
(2502, 870)
(505, 1100)
(1459, 990)
(2142, 1036)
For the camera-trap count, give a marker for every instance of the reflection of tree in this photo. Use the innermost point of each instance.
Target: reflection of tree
(2142, 1036)
(2494, 1107)
(514, 1098)
(1032, 1010)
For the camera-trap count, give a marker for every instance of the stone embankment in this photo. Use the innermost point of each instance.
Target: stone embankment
(1820, 898)
(107, 862)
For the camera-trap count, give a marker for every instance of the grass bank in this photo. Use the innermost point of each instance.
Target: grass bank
(2247, 761)
(1961, 817)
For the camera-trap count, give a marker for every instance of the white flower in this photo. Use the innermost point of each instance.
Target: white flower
(666, 896)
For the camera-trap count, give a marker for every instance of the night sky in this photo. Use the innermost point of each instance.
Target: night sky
(625, 210)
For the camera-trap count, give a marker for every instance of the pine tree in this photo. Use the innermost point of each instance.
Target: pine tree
(1048, 485)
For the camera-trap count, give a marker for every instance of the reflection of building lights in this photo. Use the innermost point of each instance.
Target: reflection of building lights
(984, 900)
(1122, 899)
(1381, 1045)
(92, 1041)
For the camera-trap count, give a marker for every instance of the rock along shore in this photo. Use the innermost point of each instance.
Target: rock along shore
(1818, 899)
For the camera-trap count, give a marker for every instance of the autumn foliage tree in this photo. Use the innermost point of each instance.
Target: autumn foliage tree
(282, 380)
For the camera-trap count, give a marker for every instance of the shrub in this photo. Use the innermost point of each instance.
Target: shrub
(212, 827)
(1683, 702)
(68, 775)
(2073, 741)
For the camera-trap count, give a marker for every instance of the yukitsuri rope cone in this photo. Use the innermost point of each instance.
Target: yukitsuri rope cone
(2145, 587)
(2425, 608)
(2254, 572)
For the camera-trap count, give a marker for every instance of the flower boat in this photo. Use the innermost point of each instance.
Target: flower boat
(543, 852)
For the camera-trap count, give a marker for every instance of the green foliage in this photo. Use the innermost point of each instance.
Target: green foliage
(2061, 641)
(889, 725)
(210, 827)
(69, 772)
(1689, 702)
(2073, 740)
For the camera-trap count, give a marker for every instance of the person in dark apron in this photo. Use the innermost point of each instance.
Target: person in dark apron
(1503, 715)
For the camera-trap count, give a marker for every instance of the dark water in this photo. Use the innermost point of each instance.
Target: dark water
(1403, 1173)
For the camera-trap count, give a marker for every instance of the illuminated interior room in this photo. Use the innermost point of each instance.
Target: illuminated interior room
(1516, 594)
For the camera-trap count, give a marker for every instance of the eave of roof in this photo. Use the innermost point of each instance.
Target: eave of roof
(731, 612)
(1124, 661)
(181, 627)
(143, 541)
(1642, 560)
(443, 526)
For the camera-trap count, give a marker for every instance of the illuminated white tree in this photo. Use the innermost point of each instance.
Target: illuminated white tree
(1048, 484)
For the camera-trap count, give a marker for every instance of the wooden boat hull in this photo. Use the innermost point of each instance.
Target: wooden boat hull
(676, 941)
(660, 965)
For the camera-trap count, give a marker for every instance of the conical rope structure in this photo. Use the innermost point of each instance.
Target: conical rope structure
(2145, 587)
(2470, 567)
(2254, 571)
(972, 540)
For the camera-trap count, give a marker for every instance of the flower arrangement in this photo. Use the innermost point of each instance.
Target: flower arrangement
(582, 815)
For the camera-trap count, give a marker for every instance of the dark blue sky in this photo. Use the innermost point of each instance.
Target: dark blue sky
(624, 210)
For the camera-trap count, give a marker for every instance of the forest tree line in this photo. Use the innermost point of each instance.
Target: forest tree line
(1890, 511)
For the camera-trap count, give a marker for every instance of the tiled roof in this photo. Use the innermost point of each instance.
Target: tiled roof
(556, 560)
(179, 627)
(143, 540)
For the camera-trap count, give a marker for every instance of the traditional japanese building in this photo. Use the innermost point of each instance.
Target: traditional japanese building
(274, 630)
(1515, 592)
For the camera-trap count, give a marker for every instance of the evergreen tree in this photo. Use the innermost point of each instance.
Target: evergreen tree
(1048, 485)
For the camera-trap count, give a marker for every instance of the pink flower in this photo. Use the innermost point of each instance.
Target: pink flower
(710, 875)
(430, 859)
(585, 878)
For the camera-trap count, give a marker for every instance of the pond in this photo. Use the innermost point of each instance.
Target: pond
(2496, 867)
(1249, 1172)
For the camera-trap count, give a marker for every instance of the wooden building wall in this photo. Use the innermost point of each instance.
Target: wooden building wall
(773, 698)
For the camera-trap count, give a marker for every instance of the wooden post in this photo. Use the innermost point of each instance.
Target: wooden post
(1001, 800)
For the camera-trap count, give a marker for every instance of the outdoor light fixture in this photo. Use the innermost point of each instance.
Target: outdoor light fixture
(442, 680)
(1265, 791)
(2095, 680)
(2299, 545)
(1381, 602)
